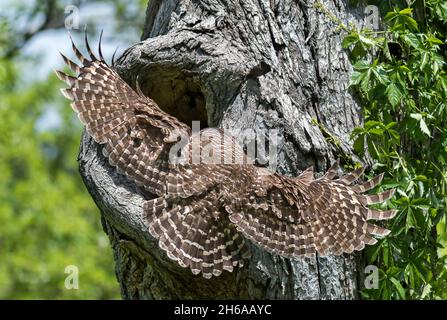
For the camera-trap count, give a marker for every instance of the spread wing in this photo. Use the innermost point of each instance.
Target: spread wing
(135, 132)
(207, 206)
(301, 216)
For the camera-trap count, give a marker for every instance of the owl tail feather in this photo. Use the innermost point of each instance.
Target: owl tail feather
(195, 238)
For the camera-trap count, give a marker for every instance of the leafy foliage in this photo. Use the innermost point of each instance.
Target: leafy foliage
(47, 219)
(401, 81)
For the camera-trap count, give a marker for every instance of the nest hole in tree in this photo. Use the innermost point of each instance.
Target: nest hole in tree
(179, 95)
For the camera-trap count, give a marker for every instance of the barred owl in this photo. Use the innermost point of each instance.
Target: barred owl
(206, 209)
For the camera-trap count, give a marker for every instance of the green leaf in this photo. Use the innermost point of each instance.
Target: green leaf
(411, 23)
(359, 145)
(424, 59)
(393, 94)
(373, 149)
(362, 65)
(406, 11)
(409, 275)
(410, 221)
(376, 131)
(391, 125)
(365, 83)
(349, 40)
(424, 127)
(413, 40)
(380, 74)
(359, 50)
(443, 83)
(390, 16)
(356, 78)
(405, 69)
(386, 50)
(399, 287)
(371, 124)
(395, 136)
(433, 40)
(366, 40)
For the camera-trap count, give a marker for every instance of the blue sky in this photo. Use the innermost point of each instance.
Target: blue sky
(40, 56)
(47, 45)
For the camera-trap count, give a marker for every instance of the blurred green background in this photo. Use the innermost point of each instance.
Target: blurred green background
(47, 219)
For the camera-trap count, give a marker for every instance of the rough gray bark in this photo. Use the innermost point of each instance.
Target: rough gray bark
(255, 64)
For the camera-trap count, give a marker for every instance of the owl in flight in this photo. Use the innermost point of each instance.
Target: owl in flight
(206, 209)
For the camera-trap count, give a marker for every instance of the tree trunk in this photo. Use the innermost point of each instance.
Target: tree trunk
(243, 65)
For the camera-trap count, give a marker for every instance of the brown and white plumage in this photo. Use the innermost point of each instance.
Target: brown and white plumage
(209, 203)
